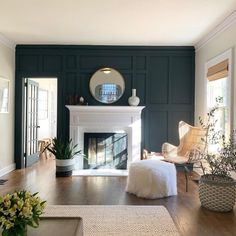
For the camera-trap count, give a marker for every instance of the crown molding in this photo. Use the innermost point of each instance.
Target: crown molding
(226, 23)
(7, 42)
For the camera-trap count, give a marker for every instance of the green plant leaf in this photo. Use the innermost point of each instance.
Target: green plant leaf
(63, 150)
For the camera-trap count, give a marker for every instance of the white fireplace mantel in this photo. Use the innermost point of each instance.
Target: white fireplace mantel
(108, 109)
(107, 119)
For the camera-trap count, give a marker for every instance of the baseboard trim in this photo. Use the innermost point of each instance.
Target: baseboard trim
(7, 169)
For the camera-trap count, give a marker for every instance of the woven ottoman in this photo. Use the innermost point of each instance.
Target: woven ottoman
(152, 179)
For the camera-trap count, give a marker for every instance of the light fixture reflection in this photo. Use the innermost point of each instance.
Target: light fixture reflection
(106, 70)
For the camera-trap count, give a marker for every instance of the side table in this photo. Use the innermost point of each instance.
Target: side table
(59, 226)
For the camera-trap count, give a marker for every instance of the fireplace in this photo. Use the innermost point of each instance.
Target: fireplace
(106, 150)
(107, 119)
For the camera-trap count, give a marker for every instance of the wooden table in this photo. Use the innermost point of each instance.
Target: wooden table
(58, 226)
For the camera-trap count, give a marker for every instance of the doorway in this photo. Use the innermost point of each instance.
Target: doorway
(40, 116)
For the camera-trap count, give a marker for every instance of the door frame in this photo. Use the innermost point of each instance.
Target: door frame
(19, 113)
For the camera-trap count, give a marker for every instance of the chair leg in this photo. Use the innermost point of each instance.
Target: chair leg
(203, 169)
(186, 171)
(186, 178)
(45, 151)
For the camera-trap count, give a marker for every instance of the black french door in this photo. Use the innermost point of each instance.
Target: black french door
(31, 122)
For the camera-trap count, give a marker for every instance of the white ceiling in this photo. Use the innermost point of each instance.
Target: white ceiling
(111, 22)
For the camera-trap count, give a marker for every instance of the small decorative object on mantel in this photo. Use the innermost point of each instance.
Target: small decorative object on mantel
(76, 100)
(81, 100)
(71, 100)
(133, 100)
(18, 210)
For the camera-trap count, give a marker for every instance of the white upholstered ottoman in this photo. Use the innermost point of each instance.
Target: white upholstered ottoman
(152, 179)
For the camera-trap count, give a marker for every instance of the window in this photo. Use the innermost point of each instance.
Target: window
(217, 93)
(108, 93)
(43, 104)
(219, 90)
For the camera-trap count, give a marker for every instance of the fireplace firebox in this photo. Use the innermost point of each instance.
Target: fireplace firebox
(105, 150)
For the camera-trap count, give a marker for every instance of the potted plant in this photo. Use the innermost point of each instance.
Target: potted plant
(64, 153)
(217, 190)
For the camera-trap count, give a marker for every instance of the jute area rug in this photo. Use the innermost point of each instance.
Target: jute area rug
(119, 220)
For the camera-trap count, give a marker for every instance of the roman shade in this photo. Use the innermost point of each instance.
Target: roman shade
(218, 71)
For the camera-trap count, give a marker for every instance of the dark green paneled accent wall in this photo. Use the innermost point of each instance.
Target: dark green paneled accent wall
(163, 77)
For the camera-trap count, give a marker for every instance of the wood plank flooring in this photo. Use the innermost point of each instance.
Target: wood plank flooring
(185, 208)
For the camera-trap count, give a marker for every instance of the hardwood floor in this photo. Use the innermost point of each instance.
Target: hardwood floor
(185, 208)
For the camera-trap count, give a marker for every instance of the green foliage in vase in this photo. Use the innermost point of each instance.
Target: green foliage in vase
(63, 150)
(18, 210)
(222, 161)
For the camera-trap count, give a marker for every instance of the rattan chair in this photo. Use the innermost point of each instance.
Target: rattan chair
(188, 151)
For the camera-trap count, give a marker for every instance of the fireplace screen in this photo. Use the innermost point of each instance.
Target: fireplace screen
(105, 150)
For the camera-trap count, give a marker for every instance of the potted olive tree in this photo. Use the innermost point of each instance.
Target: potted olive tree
(64, 153)
(217, 189)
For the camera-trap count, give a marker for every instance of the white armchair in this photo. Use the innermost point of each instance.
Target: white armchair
(187, 153)
(190, 140)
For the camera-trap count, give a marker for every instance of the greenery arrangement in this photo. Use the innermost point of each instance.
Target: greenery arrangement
(63, 150)
(223, 161)
(19, 209)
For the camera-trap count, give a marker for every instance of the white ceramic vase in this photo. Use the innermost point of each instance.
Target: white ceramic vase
(133, 100)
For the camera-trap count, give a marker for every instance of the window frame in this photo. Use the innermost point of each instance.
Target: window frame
(230, 87)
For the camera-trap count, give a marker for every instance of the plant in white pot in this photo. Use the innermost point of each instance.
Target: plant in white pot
(64, 153)
(217, 189)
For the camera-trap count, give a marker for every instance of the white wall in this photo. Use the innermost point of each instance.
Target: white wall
(222, 42)
(7, 70)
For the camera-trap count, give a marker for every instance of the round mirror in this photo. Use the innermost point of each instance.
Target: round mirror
(107, 85)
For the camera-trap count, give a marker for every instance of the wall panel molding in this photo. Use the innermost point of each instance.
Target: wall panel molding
(148, 69)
